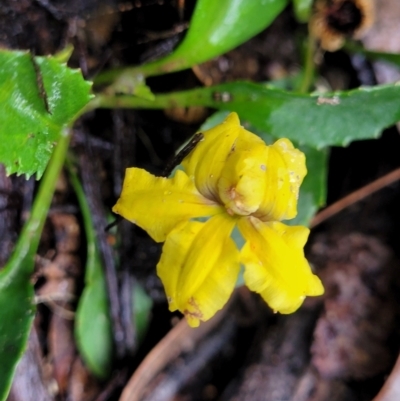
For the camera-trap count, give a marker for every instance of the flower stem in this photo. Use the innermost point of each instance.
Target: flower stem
(195, 97)
(308, 74)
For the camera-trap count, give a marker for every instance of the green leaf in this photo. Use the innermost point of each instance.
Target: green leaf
(215, 119)
(141, 309)
(16, 288)
(215, 28)
(317, 121)
(64, 54)
(314, 120)
(92, 321)
(33, 115)
(16, 317)
(302, 9)
(219, 26)
(393, 58)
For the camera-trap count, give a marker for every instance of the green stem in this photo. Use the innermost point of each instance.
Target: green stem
(22, 259)
(111, 75)
(175, 99)
(127, 102)
(170, 63)
(194, 97)
(308, 75)
(92, 255)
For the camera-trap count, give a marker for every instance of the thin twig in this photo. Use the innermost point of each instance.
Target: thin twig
(391, 388)
(356, 196)
(180, 338)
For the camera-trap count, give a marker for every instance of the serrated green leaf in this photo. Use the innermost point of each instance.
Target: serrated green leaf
(28, 131)
(314, 120)
(317, 121)
(215, 28)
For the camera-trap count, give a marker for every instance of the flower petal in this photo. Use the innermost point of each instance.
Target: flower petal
(242, 183)
(207, 160)
(275, 265)
(158, 204)
(199, 267)
(286, 169)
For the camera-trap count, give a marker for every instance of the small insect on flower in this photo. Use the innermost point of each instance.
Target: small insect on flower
(335, 20)
(231, 180)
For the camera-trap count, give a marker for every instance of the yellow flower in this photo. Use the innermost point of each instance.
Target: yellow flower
(231, 179)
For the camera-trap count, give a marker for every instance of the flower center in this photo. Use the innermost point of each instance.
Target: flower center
(236, 203)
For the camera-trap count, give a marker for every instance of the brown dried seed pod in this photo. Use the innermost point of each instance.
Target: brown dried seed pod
(335, 20)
